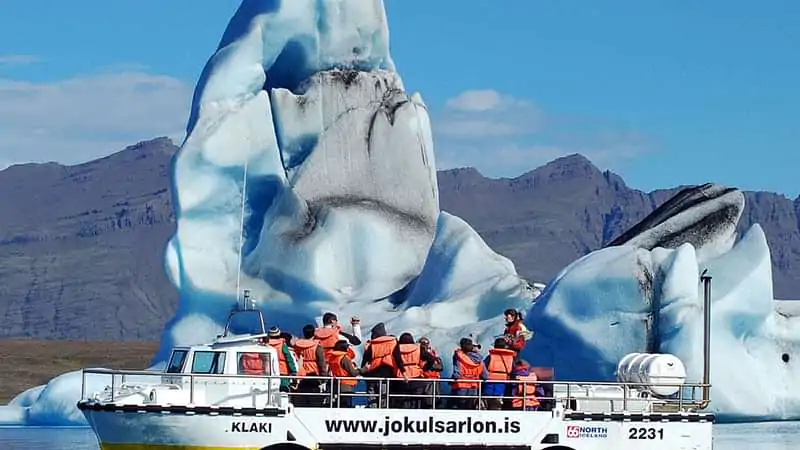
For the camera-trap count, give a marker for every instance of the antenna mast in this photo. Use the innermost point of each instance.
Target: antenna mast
(241, 242)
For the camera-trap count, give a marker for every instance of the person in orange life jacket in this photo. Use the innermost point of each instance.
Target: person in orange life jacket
(499, 365)
(314, 365)
(526, 392)
(330, 331)
(289, 339)
(431, 369)
(343, 369)
(411, 354)
(516, 333)
(468, 369)
(381, 359)
(286, 360)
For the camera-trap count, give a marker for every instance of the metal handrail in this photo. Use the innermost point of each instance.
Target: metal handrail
(152, 373)
(627, 388)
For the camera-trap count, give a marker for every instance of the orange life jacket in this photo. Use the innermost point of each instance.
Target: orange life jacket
(335, 359)
(254, 364)
(528, 387)
(277, 344)
(432, 373)
(327, 337)
(307, 349)
(410, 354)
(382, 349)
(501, 363)
(470, 370)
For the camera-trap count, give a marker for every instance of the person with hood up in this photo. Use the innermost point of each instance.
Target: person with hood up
(343, 370)
(468, 371)
(381, 359)
(286, 360)
(411, 354)
(515, 333)
(499, 365)
(525, 392)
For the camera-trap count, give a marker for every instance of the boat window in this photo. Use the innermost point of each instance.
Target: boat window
(208, 362)
(177, 361)
(254, 363)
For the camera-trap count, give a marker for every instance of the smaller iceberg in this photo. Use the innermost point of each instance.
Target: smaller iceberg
(643, 294)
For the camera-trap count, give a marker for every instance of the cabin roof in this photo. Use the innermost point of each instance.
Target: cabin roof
(240, 346)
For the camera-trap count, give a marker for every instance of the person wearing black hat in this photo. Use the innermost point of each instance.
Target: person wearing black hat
(468, 371)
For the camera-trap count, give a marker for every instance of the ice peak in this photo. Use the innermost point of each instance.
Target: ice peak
(280, 44)
(704, 215)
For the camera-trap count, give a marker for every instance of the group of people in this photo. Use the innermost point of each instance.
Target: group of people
(327, 352)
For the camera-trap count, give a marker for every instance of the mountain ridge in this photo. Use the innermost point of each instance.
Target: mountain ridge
(81, 246)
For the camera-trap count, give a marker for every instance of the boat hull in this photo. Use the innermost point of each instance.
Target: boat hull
(324, 428)
(157, 431)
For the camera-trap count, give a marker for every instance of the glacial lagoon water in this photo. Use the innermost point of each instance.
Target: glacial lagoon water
(746, 436)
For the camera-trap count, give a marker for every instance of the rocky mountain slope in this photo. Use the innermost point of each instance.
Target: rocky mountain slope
(550, 216)
(81, 246)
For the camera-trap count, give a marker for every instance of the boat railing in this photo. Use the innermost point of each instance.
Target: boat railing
(419, 393)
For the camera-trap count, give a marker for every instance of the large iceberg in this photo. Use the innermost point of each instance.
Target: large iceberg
(308, 177)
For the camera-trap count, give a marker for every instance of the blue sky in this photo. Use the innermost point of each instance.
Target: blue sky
(662, 92)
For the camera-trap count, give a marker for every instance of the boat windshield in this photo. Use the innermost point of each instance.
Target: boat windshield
(245, 322)
(177, 361)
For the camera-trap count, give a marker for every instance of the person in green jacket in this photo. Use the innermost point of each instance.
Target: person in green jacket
(287, 360)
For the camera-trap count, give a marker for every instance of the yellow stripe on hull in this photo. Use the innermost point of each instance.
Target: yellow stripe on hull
(109, 446)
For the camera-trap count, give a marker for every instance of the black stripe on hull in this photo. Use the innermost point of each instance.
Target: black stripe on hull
(180, 409)
(274, 412)
(628, 417)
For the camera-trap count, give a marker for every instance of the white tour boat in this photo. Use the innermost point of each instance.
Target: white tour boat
(201, 401)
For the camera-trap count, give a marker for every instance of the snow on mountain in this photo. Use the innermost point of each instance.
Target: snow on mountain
(301, 133)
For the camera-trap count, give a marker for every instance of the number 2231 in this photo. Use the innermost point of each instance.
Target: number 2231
(646, 433)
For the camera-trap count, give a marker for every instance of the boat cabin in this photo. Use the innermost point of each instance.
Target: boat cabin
(224, 359)
(227, 372)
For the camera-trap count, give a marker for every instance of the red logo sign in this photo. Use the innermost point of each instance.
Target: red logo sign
(573, 431)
